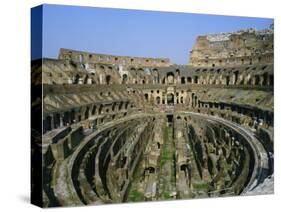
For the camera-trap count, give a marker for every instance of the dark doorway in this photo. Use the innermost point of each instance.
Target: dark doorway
(170, 118)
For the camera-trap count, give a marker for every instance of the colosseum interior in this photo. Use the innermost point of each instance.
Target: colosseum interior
(129, 129)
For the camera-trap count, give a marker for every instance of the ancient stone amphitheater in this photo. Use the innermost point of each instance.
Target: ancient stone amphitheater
(127, 129)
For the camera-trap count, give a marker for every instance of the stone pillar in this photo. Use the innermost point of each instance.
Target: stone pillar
(52, 121)
(61, 120)
(89, 81)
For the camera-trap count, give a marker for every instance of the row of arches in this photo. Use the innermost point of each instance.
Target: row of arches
(171, 98)
(264, 79)
(256, 114)
(61, 119)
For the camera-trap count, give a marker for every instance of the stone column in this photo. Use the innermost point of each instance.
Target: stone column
(52, 121)
(61, 120)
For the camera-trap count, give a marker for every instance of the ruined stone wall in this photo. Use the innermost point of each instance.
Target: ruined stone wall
(244, 47)
(86, 58)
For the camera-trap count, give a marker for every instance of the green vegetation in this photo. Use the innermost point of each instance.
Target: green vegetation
(167, 165)
(134, 194)
(201, 186)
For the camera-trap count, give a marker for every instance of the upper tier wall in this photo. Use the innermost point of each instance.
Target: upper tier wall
(239, 48)
(86, 57)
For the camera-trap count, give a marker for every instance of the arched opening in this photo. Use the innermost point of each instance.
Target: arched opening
(86, 114)
(196, 79)
(158, 100)
(156, 75)
(181, 100)
(183, 80)
(158, 145)
(120, 105)
(47, 124)
(72, 116)
(124, 78)
(184, 167)
(113, 106)
(250, 81)
(170, 99)
(107, 79)
(170, 78)
(170, 118)
(189, 79)
(178, 72)
(76, 79)
(235, 77)
(257, 79)
(151, 170)
(146, 96)
(94, 110)
(86, 79)
(57, 120)
(100, 109)
(65, 118)
(227, 80)
(164, 80)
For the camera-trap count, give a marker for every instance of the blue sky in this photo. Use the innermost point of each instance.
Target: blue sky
(133, 32)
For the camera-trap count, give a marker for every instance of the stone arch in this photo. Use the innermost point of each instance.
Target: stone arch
(164, 80)
(146, 96)
(257, 79)
(235, 77)
(178, 72)
(124, 78)
(86, 113)
(155, 75)
(76, 79)
(158, 100)
(100, 109)
(113, 106)
(86, 79)
(108, 79)
(72, 116)
(227, 80)
(170, 77)
(182, 80)
(170, 98)
(66, 118)
(181, 99)
(196, 79)
(47, 123)
(94, 110)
